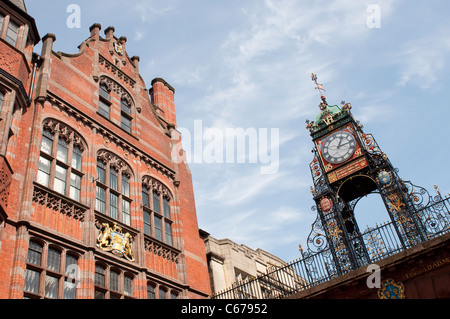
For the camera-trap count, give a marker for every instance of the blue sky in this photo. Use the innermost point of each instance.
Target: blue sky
(248, 63)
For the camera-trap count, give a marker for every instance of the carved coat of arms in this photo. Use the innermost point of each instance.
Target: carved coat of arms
(115, 241)
(119, 48)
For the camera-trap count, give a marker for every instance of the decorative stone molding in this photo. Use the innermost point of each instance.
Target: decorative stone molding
(115, 87)
(114, 161)
(169, 253)
(157, 186)
(65, 132)
(115, 71)
(58, 203)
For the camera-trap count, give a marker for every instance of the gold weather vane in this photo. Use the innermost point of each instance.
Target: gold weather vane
(318, 86)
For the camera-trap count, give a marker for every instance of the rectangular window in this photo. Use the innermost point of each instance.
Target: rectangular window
(162, 293)
(114, 281)
(60, 179)
(101, 172)
(126, 212)
(11, 33)
(53, 260)
(113, 205)
(43, 176)
(125, 185)
(125, 123)
(158, 228)
(113, 180)
(147, 224)
(34, 253)
(99, 276)
(168, 231)
(145, 197)
(156, 202)
(51, 287)
(150, 291)
(166, 207)
(128, 286)
(104, 108)
(99, 294)
(70, 288)
(2, 18)
(32, 281)
(100, 203)
(62, 151)
(47, 142)
(76, 158)
(75, 186)
(125, 107)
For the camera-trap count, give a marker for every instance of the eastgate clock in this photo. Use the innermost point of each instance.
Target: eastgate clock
(338, 147)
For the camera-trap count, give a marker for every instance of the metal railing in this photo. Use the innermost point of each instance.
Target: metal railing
(313, 269)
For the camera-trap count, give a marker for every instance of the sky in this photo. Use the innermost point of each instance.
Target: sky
(248, 64)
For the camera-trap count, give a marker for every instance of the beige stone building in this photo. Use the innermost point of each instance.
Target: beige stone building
(231, 264)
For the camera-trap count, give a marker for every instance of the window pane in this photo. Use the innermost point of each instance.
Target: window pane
(11, 34)
(103, 108)
(32, 281)
(126, 212)
(104, 91)
(158, 230)
(114, 281)
(145, 198)
(99, 276)
(166, 208)
(128, 286)
(125, 123)
(125, 185)
(61, 153)
(71, 266)
(147, 225)
(70, 289)
(155, 202)
(76, 158)
(75, 186)
(43, 175)
(60, 179)
(34, 253)
(99, 295)
(100, 203)
(51, 287)
(53, 260)
(101, 172)
(125, 107)
(2, 18)
(113, 181)
(150, 291)
(162, 293)
(47, 142)
(113, 206)
(168, 231)
(1, 94)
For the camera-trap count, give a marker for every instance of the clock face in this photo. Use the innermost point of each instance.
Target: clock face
(338, 147)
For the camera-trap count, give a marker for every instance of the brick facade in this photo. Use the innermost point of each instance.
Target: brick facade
(59, 95)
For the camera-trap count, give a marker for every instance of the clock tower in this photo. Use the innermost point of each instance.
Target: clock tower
(348, 165)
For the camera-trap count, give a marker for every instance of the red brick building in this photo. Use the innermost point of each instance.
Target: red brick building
(91, 203)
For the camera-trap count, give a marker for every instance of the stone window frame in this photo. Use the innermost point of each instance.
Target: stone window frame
(62, 133)
(150, 188)
(113, 165)
(106, 290)
(126, 106)
(154, 290)
(65, 274)
(19, 41)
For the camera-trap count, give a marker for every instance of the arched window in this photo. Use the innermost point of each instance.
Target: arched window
(119, 285)
(104, 103)
(109, 92)
(2, 96)
(60, 160)
(156, 210)
(113, 187)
